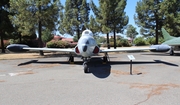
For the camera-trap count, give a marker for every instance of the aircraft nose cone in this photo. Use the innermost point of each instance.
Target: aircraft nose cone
(84, 48)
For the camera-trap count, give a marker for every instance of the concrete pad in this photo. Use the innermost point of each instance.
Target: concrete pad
(52, 81)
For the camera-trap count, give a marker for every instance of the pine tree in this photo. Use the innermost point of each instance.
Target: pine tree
(171, 16)
(47, 36)
(103, 18)
(75, 17)
(131, 32)
(5, 24)
(93, 25)
(118, 17)
(34, 15)
(149, 17)
(154, 14)
(111, 17)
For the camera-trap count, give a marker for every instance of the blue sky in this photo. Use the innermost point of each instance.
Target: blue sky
(130, 9)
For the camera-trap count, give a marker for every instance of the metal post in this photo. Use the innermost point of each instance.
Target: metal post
(131, 67)
(131, 57)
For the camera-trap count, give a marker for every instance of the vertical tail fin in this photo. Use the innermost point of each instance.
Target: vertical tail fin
(166, 35)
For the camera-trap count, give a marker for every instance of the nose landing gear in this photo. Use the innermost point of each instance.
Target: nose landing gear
(85, 64)
(86, 69)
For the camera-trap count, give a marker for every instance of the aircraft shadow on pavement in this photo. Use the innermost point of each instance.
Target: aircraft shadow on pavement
(142, 62)
(54, 55)
(98, 69)
(96, 62)
(95, 66)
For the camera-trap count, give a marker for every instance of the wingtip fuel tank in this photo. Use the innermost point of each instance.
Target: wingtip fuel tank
(17, 47)
(160, 48)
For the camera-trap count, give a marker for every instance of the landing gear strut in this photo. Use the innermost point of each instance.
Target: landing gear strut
(71, 59)
(171, 51)
(105, 58)
(85, 64)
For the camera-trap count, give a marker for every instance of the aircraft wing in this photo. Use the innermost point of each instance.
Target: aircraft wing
(23, 48)
(50, 49)
(126, 49)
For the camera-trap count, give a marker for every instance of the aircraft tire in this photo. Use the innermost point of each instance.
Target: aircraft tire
(171, 52)
(86, 70)
(105, 59)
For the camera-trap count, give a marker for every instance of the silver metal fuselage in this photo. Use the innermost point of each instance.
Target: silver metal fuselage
(87, 45)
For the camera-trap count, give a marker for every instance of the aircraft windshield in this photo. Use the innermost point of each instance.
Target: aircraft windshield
(87, 32)
(87, 41)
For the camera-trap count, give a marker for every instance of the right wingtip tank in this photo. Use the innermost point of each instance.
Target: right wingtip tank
(160, 48)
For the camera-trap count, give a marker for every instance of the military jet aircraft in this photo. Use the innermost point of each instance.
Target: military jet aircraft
(86, 47)
(171, 42)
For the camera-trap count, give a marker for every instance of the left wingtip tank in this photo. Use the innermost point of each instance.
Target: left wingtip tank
(17, 47)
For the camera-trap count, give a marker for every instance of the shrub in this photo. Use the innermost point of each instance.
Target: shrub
(111, 44)
(52, 44)
(13, 41)
(104, 45)
(151, 40)
(29, 42)
(58, 44)
(119, 43)
(140, 41)
(72, 45)
(125, 43)
(161, 40)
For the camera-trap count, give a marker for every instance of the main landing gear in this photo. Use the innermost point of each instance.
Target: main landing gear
(85, 64)
(71, 59)
(171, 51)
(105, 58)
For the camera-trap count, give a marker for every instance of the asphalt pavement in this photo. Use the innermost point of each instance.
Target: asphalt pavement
(53, 81)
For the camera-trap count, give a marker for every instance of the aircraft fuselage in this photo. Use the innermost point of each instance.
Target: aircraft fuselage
(87, 45)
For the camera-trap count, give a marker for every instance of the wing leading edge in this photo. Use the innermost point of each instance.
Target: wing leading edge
(125, 49)
(50, 49)
(23, 48)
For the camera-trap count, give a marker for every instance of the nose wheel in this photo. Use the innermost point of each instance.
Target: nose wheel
(85, 64)
(86, 69)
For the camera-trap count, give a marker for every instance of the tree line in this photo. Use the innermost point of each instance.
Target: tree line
(21, 19)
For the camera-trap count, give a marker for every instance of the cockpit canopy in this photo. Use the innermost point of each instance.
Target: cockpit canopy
(87, 32)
